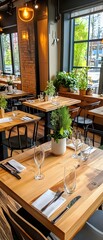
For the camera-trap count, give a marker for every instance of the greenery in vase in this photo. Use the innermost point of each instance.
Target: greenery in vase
(50, 89)
(3, 102)
(61, 123)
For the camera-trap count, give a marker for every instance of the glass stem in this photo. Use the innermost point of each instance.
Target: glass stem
(40, 170)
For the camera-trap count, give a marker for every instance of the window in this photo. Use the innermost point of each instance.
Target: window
(10, 53)
(85, 41)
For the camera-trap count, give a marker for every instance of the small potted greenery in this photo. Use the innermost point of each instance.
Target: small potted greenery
(82, 80)
(10, 84)
(3, 105)
(61, 124)
(50, 90)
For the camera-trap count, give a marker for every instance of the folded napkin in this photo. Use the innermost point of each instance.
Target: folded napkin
(90, 149)
(7, 119)
(71, 145)
(26, 118)
(16, 165)
(46, 198)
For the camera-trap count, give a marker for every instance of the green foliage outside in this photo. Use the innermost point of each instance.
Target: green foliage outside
(80, 49)
(61, 123)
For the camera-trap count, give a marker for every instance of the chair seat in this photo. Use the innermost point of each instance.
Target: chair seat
(87, 233)
(96, 220)
(80, 120)
(13, 142)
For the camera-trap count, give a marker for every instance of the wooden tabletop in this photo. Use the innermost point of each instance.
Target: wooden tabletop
(16, 119)
(97, 112)
(16, 94)
(89, 185)
(47, 106)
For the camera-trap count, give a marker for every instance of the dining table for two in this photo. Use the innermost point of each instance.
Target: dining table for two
(28, 191)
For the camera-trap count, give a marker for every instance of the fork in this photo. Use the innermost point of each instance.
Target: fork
(56, 196)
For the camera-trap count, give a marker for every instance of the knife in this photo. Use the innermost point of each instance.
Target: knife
(14, 173)
(51, 201)
(67, 208)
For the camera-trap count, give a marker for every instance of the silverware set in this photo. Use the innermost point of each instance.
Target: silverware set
(10, 169)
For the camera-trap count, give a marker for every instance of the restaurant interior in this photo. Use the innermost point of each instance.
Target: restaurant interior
(51, 120)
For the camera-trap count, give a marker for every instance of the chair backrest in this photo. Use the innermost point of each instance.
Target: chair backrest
(17, 231)
(21, 133)
(30, 229)
(87, 105)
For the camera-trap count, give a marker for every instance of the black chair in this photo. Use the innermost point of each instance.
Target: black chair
(18, 138)
(83, 119)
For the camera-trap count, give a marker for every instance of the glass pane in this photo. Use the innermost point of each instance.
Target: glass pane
(96, 26)
(93, 76)
(95, 54)
(81, 29)
(15, 53)
(6, 50)
(80, 54)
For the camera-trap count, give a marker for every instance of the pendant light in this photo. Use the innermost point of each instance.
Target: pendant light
(26, 14)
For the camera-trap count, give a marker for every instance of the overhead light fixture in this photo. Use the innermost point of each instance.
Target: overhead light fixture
(26, 14)
(35, 4)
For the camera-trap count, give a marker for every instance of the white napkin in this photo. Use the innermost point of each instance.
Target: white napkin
(44, 199)
(17, 165)
(71, 145)
(90, 149)
(26, 118)
(7, 119)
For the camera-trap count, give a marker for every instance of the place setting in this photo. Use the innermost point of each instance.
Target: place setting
(50, 201)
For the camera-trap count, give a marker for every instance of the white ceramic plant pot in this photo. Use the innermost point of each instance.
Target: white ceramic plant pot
(10, 88)
(58, 148)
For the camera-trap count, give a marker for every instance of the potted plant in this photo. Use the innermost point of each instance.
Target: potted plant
(82, 80)
(3, 105)
(50, 90)
(61, 123)
(10, 84)
(64, 81)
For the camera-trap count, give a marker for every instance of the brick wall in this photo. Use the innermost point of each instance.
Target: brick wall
(27, 56)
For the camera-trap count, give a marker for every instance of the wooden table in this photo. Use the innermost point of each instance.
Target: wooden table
(16, 94)
(89, 184)
(7, 125)
(97, 112)
(48, 106)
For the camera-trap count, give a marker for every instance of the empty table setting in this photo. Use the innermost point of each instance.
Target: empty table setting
(47, 198)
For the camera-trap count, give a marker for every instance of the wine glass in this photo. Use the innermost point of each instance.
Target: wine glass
(39, 159)
(76, 140)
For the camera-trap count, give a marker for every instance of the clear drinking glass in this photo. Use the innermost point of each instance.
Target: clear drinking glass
(69, 179)
(85, 149)
(76, 140)
(39, 159)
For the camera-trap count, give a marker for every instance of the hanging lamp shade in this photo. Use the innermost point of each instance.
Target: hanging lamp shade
(26, 14)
